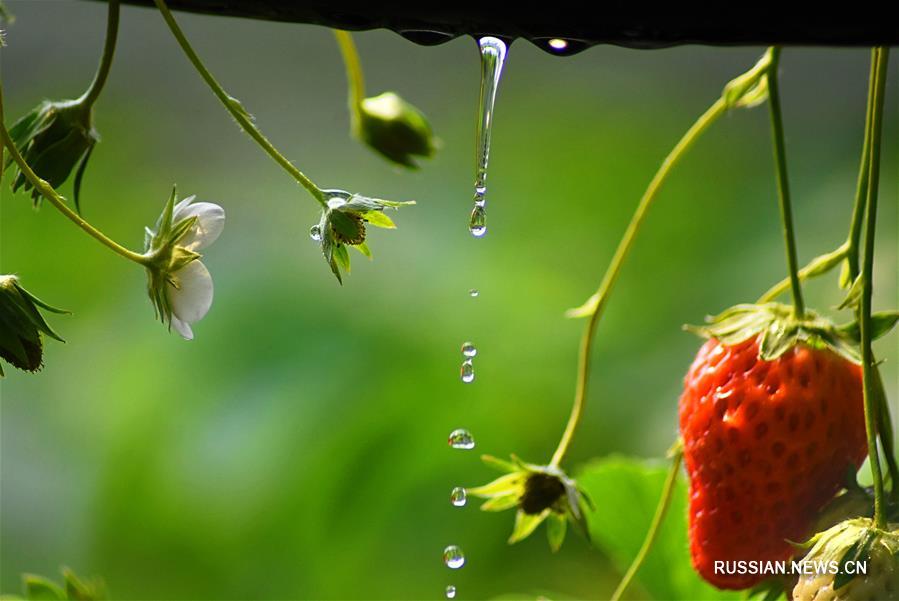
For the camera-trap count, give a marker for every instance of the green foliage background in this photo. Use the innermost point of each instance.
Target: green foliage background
(297, 448)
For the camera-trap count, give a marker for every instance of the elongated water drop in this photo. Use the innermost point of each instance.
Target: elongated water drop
(469, 350)
(458, 497)
(451, 592)
(461, 439)
(493, 55)
(453, 557)
(466, 372)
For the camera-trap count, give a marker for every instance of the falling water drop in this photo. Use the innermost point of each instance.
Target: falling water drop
(467, 371)
(461, 439)
(493, 55)
(458, 497)
(315, 232)
(469, 350)
(451, 592)
(453, 558)
(473, 293)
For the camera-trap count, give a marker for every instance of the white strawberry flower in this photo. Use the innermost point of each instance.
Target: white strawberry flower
(180, 286)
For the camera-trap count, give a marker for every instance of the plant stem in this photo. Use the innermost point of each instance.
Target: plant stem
(237, 111)
(861, 191)
(677, 456)
(112, 31)
(59, 202)
(867, 273)
(701, 125)
(354, 76)
(783, 186)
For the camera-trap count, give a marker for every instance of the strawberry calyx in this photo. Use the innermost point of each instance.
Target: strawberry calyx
(779, 330)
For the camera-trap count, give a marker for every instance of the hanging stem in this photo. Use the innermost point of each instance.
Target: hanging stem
(112, 30)
(608, 282)
(861, 190)
(677, 455)
(58, 201)
(869, 368)
(783, 186)
(237, 111)
(354, 76)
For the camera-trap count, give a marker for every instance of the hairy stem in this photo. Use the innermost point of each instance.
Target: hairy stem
(354, 76)
(867, 273)
(677, 455)
(237, 111)
(112, 33)
(783, 186)
(608, 282)
(58, 201)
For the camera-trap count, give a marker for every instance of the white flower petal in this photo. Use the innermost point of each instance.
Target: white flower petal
(183, 328)
(209, 225)
(181, 206)
(192, 297)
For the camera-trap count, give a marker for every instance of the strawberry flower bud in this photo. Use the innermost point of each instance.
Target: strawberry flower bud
(540, 492)
(395, 129)
(343, 222)
(21, 326)
(54, 138)
(179, 285)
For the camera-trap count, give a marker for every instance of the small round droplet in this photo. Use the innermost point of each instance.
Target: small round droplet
(473, 293)
(461, 439)
(467, 371)
(315, 232)
(558, 44)
(458, 497)
(469, 350)
(451, 592)
(454, 559)
(477, 223)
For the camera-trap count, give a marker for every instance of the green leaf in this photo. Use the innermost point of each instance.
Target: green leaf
(556, 525)
(853, 295)
(860, 550)
(526, 523)
(363, 248)
(881, 323)
(379, 219)
(38, 588)
(628, 491)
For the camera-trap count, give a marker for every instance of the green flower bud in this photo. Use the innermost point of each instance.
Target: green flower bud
(540, 493)
(342, 224)
(395, 129)
(21, 326)
(54, 138)
(178, 283)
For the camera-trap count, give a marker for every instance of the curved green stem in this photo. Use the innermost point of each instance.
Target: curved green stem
(237, 111)
(677, 455)
(611, 276)
(59, 202)
(816, 267)
(867, 273)
(861, 190)
(354, 76)
(112, 32)
(783, 186)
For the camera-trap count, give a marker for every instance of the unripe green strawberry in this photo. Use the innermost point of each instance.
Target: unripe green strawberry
(769, 437)
(853, 541)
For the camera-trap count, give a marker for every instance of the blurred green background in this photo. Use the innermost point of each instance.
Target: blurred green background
(297, 448)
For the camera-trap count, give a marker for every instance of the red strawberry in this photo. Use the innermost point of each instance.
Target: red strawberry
(767, 443)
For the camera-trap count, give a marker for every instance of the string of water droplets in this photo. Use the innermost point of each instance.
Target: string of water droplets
(493, 54)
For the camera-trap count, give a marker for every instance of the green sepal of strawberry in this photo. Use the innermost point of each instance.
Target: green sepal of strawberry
(779, 330)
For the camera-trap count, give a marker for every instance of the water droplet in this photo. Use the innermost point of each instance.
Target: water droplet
(493, 55)
(558, 44)
(477, 223)
(469, 350)
(315, 232)
(458, 497)
(454, 559)
(473, 293)
(561, 46)
(461, 439)
(467, 371)
(451, 592)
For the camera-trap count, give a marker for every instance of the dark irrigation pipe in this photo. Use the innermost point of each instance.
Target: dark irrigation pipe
(630, 24)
